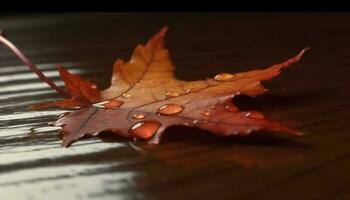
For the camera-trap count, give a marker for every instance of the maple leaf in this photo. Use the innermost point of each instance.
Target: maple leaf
(82, 92)
(145, 98)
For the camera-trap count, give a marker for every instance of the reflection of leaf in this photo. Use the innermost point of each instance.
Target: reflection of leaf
(243, 156)
(148, 99)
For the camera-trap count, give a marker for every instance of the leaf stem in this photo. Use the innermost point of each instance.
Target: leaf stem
(31, 66)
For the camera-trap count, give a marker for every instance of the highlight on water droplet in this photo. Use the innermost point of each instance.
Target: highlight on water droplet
(223, 76)
(138, 116)
(255, 115)
(112, 104)
(186, 123)
(205, 113)
(247, 114)
(170, 109)
(195, 121)
(231, 108)
(144, 129)
(172, 94)
(187, 91)
(126, 95)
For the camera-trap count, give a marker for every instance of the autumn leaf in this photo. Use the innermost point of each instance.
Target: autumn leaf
(82, 92)
(145, 98)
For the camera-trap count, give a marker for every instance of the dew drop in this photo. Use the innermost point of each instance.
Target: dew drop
(231, 108)
(223, 76)
(205, 113)
(93, 86)
(186, 123)
(126, 95)
(170, 109)
(138, 116)
(172, 94)
(195, 121)
(100, 104)
(112, 104)
(145, 129)
(247, 114)
(256, 115)
(187, 91)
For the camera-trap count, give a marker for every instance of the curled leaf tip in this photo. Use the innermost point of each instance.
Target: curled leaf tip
(302, 52)
(163, 31)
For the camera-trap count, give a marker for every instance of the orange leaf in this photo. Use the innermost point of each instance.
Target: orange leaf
(79, 87)
(149, 99)
(83, 92)
(67, 103)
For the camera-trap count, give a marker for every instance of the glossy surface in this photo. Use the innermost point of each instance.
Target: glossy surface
(312, 95)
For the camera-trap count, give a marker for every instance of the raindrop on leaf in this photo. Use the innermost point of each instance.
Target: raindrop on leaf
(145, 129)
(231, 108)
(223, 76)
(172, 94)
(205, 113)
(170, 109)
(138, 116)
(126, 95)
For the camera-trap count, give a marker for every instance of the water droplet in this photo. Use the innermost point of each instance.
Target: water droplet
(138, 116)
(256, 115)
(93, 86)
(205, 113)
(186, 123)
(51, 123)
(170, 109)
(172, 94)
(231, 108)
(112, 104)
(247, 114)
(223, 76)
(126, 95)
(145, 129)
(195, 121)
(187, 91)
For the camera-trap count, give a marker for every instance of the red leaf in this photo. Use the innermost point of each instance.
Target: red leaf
(83, 92)
(145, 98)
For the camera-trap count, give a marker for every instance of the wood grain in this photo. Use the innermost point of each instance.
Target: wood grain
(312, 95)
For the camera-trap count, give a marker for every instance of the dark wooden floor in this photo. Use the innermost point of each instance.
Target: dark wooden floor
(313, 96)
